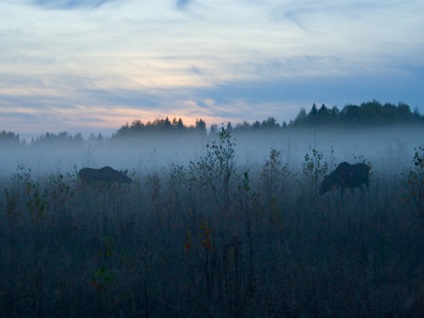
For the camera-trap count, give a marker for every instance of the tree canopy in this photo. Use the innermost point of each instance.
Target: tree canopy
(367, 114)
(159, 127)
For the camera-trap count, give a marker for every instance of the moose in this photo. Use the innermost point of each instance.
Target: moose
(346, 176)
(105, 175)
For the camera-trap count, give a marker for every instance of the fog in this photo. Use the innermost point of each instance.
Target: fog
(388, 150)
(209, 240)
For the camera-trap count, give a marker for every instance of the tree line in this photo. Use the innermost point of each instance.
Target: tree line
(159, 126)
(367, 114)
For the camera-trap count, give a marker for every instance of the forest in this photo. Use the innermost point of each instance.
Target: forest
(368, 114)
(232, 226)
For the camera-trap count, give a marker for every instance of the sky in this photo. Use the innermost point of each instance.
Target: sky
(91, 66)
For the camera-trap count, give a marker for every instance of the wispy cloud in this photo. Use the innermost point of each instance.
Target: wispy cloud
(182, 4)
(239, 59)
(70, 4)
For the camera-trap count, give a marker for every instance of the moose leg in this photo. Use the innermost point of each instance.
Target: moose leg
(342, 192)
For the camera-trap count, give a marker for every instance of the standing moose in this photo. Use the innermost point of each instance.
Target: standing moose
(346, 176)
(105, 175)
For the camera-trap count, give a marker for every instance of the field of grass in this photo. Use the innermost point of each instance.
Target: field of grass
(213, 239)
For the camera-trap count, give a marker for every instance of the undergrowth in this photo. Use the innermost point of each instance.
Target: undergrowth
(212, 239)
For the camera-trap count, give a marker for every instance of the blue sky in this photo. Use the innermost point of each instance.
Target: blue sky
(94, 65)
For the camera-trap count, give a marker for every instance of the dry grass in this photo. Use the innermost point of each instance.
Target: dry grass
(171, 245)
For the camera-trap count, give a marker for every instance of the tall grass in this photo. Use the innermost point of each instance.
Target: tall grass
(213, 238)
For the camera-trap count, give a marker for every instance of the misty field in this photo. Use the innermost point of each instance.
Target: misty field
(216, 237)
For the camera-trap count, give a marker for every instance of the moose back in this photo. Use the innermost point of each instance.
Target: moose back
(105, 175)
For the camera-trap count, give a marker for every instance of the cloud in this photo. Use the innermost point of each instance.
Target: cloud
(140, 57)
(21, 115)
(202, 104)
(182, 4)
(248, 98)
(70, 4)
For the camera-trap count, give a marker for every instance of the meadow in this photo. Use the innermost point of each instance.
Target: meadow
(215, 236)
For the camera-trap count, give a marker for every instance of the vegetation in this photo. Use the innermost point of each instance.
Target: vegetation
(212, 239)
(216, 237)
(9, 139)
(368, 114)
(414, 182)
(60, 139)
(159, 127)
(365, 115)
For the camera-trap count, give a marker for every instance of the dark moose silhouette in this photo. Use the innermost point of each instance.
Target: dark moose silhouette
(105, 175)
(346, 176)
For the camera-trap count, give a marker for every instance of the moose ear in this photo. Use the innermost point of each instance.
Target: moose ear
(125, 172)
